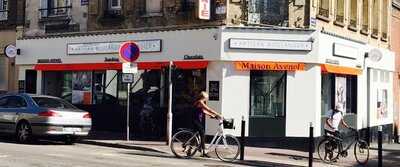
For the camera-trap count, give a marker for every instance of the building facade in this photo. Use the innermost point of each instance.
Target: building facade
(396, 48)
(279, 65)
(9, 19)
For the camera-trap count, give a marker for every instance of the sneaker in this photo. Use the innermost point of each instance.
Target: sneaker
(205, 155)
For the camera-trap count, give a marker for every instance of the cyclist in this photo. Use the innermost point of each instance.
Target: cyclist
(335, 118)
(202, 109)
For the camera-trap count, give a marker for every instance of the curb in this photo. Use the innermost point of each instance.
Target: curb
(123, 146)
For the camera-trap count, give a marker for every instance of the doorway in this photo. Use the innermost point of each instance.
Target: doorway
(267, 117)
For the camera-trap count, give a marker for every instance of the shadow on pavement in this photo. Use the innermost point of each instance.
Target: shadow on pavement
(11, 140)
(245, 162)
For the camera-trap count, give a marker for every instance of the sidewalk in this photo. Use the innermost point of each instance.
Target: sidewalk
(256, 156)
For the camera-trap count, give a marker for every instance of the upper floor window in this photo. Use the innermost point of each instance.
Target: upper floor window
(323, 8)
(3, 10)
(339, 11)
(268, 12)
(114, 4)
(153, 6)
(353, 13)
(50, 8)
(384, 19)
(375, 18)
(365, 16)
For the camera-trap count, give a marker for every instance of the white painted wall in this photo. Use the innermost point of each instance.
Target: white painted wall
(303, 101)
(175, 44)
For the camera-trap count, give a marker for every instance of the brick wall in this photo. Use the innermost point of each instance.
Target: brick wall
(395, 46)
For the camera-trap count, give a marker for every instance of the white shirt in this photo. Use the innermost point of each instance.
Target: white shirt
(335, 120)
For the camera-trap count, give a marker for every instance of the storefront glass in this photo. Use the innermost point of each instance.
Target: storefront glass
(267, 94)
(338, 91)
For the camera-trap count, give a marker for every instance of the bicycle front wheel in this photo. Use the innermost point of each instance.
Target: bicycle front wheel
(184, 144)
(361, 152)
(328, 150)
(227, 148)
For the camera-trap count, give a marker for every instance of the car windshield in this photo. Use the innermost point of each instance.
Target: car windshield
(52, 103)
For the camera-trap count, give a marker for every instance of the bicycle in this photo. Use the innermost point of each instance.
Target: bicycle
(331, 147)
(185, 143)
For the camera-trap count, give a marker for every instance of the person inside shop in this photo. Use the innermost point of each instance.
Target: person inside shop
(201, 109)
(335, 118)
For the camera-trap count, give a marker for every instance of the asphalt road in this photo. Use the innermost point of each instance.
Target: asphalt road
(53, 154)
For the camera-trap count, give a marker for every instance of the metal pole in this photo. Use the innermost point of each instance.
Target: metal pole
(242, 141)
(127, 112)
(380, 146)
(311, 146)
(169, 115)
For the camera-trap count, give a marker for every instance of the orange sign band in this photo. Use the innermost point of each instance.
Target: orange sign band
(274, 66)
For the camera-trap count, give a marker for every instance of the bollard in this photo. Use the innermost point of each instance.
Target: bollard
(242, 141)
(380, 146)
(311, 145)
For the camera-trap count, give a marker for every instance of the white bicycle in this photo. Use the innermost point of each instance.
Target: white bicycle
(185, 143)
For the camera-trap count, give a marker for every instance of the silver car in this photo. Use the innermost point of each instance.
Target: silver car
(27, 116)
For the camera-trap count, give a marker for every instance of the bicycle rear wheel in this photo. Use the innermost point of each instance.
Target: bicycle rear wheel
(184, 144)
(361, 152)
(328, 150)
(227, 148)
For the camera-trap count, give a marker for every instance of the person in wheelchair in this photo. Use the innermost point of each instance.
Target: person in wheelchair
(201, 109)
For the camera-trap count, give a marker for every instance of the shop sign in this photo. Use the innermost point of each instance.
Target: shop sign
(244, 66)
(193, 57)
(204, 9)
(270, 44)
(111, 59)
(345, 51)
(44, 61)
(213, 90)
(111, 47)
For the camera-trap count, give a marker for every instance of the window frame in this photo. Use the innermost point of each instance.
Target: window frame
(324, 16)
(111, 7)
(3, 10)
(152, 12)
(353, 16)
(339, 19)
(283, 76)
(365, 23)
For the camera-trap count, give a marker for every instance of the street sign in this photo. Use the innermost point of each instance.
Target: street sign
(127, 78)
(130, 68)
(129, 51)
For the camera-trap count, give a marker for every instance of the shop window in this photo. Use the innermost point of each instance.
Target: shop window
(375, 18)
(365, 16)
(340, 6)
(323, 9)
(3, 10)
(353, 14)
(384, 20)
(153, 7)
(267, 94)
(270, 12)
(338, 91)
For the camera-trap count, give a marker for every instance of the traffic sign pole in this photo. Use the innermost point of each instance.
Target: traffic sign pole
(127, 112)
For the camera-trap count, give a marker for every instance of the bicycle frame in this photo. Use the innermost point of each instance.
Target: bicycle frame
(217, 137)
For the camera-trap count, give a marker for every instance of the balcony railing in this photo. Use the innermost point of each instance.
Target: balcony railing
(3, 15)
(353, 23)
(323, 12)
(339, 19)
(55, 12)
